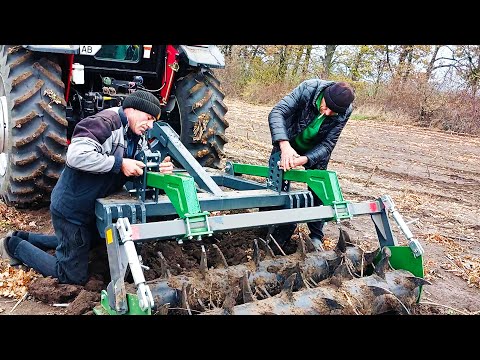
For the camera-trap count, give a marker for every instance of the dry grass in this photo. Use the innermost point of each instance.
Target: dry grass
(378, 113)
(457, 260)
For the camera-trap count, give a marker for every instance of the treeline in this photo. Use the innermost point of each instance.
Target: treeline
(429, 85)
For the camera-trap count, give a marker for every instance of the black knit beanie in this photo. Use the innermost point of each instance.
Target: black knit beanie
(338, 97)
(143, 101)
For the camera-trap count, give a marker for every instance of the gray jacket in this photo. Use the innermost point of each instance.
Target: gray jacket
(94, 159)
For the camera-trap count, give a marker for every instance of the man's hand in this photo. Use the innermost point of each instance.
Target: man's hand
(166, 166)
(287, 160)
(298, 163)
(131, 167)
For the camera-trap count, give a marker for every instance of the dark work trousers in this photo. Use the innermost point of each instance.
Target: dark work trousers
(283, 233)
(71, 243)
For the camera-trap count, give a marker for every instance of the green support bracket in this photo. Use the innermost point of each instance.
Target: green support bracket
(324, 183)
(403, 258)
(181, 191)
(341, 210)
(132, 305)
(197, 224)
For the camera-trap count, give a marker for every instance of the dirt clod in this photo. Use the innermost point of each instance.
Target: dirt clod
(50, 291)
(83, 303)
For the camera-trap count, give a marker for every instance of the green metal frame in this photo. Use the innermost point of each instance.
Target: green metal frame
(403, 258)
(324, 183)
(181, 191)
(132, 306)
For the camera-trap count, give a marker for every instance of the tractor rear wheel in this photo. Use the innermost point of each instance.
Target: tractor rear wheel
(33, 125)
(199, 116)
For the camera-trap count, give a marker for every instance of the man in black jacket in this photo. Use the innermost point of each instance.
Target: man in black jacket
(100, 159)
(305, 126)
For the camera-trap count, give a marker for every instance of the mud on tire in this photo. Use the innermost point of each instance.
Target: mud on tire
(35, 142)
(199, 117)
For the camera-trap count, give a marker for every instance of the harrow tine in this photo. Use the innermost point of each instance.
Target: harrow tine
(203, 262)
(300, 280)
(342, 273)
(342, 243)
(246, 290)
(345, 237)
(384, 263)
(287, 290)
(184, 299)
(278, 246)
(301, 247)
(256, 253)
(370, 256)
(230, 301)
(221, 256)
(309, 245)
(267, 248)
(164, 271)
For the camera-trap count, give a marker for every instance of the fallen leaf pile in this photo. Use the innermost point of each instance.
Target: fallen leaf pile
(14, 282)
(12, 219)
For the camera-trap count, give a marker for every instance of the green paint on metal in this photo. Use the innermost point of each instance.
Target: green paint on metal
(324, 183)
(132, 305)
(403, 258)
(197, 224)
(247, 169)
(180, 189)
(341, 210)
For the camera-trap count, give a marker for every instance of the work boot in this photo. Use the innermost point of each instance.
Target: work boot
(5, 254)
(317, 243)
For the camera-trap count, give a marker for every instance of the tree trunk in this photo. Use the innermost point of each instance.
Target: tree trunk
(308, 53)
(328, 61)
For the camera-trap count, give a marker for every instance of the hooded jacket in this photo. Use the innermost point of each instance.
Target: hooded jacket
(292, 114)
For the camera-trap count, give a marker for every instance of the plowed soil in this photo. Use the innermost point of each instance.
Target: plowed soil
(432, 176)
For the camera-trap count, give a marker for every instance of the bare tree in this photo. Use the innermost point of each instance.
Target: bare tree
(308, 54)
(298, 51)
(283, 62)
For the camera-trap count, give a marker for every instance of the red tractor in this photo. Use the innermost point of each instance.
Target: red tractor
(46, 89)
